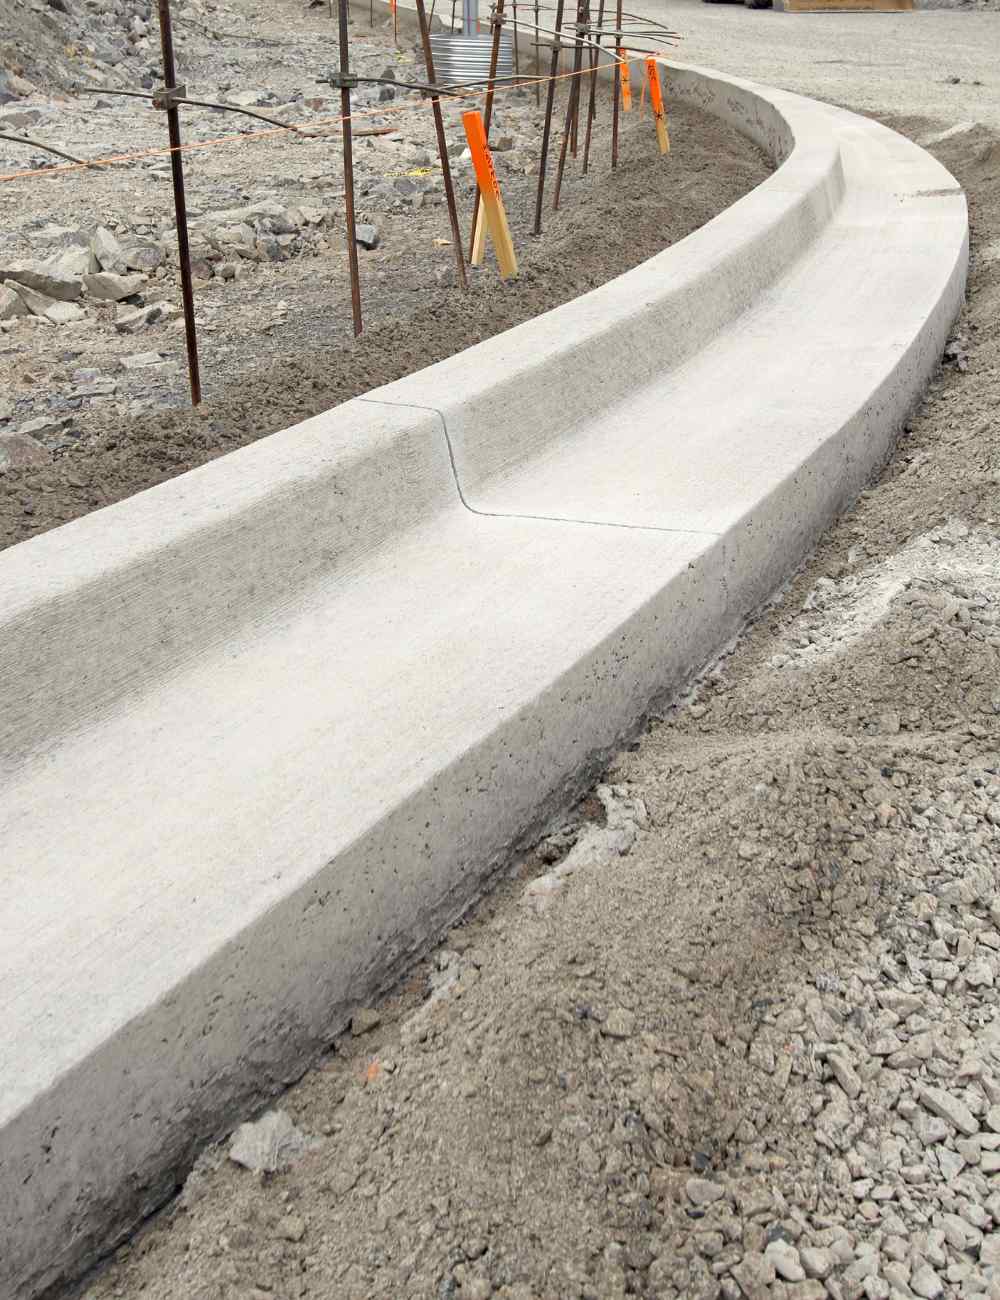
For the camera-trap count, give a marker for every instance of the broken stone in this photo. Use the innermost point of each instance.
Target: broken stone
(367, 236)
(142, 255)
(109, 287)
(141, 360)
(132, 319)
(785, 1259)
(11, 304)
(73, 262)
(925, 1282)
(942, 1103)
(619, 1024)
(754, 1273)
(53, 284)
(268, 1145)
(844, 1073)
(61, 313)
(19, 451)
(108, 251)
(701, 1191)
(816, 1261)
(49, 308)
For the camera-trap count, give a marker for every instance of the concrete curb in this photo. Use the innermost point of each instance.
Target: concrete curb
(266, 728)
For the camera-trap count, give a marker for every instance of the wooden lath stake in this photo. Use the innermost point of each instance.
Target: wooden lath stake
(491, 206)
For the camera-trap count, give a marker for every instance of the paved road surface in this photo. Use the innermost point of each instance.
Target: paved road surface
(855, 59)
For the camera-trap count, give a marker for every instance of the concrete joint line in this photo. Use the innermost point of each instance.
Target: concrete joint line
(506, 514)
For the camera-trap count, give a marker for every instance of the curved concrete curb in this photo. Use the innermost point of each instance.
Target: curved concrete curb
(267, 727)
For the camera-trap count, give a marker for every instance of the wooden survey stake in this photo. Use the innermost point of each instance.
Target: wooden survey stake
(491, 205)
(626, 80)
(656, 103)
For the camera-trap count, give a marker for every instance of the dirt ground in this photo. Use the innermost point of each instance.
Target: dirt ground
(274, 318)
(732, 1029)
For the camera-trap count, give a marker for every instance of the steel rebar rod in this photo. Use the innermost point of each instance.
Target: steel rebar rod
(571, 107)
(547, 128)
(59, 153)
(449, 189)
(180, 201)
(592, 108)
(616, 109)
(345, 112)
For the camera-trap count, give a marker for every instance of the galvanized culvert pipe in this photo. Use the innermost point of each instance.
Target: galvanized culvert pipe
(466, 56)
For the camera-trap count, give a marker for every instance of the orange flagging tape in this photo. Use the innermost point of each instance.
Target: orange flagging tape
(626, 79)
(489, 189)
(656, 103)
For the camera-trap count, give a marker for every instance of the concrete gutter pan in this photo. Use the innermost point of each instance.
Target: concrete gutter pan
(267, 728)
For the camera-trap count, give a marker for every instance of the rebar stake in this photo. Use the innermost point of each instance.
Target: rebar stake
(547, 128)
(618, 86)
(592, 110)
(456, 232)
(572, 104)
(345, 81)
(167, 102)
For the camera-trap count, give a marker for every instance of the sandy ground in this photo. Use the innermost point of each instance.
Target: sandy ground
(731, 1030)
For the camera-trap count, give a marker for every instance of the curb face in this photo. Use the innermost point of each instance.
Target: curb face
(268, 727)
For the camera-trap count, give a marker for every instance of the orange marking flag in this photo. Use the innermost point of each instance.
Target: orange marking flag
(489, 190)
(656, 101)
(626, 81)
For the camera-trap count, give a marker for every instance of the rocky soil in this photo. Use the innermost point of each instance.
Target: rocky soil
(94, 403)
(733, 1027)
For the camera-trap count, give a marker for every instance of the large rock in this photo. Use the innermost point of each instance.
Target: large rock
(110, 287)
(51, 309)
(366, 235)
(108, 250)
(141, 254)
(50, 282)
(76, 262)
(13, 87)
(131, 320)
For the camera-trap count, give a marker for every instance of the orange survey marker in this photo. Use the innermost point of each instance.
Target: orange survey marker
(656, 101)
(626, 80)
(489, 189)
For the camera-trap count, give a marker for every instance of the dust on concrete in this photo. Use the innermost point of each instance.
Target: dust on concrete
(757, 1052)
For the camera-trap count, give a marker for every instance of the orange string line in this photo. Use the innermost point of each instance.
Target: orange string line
(302, 128)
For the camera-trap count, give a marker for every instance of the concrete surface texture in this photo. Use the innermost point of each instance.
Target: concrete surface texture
(267, 727)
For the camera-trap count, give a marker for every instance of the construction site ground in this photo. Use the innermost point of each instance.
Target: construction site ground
(104, 397)
(731, 1030)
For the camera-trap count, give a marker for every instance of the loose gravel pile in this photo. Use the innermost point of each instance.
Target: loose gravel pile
(733, 1029)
